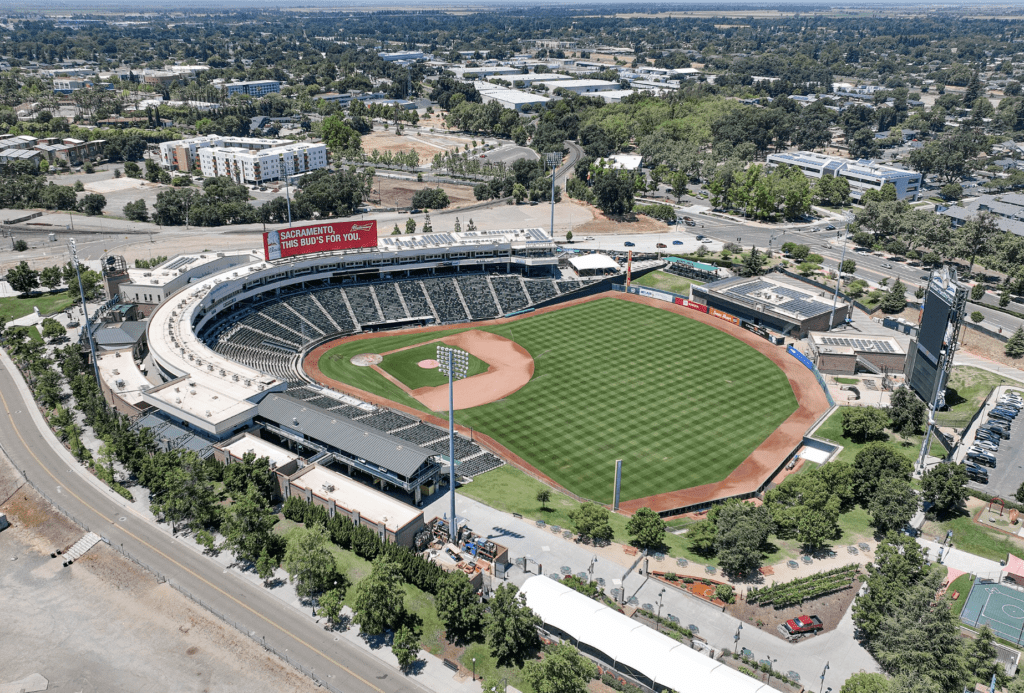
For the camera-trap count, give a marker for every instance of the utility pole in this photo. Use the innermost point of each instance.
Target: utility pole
(85, 310)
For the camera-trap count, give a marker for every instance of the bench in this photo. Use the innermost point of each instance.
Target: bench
(956, 595)
(451, 665)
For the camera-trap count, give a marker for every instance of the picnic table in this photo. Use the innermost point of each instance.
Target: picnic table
(600, 581)
(807, 559)
(792, 675)
(647, 607)
(693, 628)
(864, 547)
(852, 550)
(793, 564)
(567, 534)
(749, 654)
(556, 529)
(555, 576)
(682, 562)
(709, 569)
(659, 557)
(633, 601)
(616, 591)
(566, 570)
(582, 576)
(542, 524)
(673, 618)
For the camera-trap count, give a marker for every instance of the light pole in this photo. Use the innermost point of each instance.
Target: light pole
(455, 364)
(822, 677)
(771, 665)
(736, 639)
(553, 159)
(85, 310)
(474, 668)
(661, 597)
(839, 278)
(591, 569)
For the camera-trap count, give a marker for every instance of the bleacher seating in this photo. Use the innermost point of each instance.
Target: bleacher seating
(362, 304)
(421, 434)
(478, 465)
(332, 301)
(463, 448)
(568, 285)
(478, 297)
(279, 313)
(268, 329)
(305, 306)
(412, 292)
(385, 420)
(387, 296)
(510, 293)
(540, 289)
(446, 301)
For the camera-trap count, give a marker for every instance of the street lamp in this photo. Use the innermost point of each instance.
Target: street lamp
(736, 639)
(455, 364)
(591, 569)
(839, 276)
(822, 677)
(553, 159)
(474, 668)
(661, 597)
(85, 310)
(771, 665)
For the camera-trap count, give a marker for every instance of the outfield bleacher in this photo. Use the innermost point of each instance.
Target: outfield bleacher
(479, 464)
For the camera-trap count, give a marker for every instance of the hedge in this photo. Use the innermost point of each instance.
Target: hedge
(810, 587)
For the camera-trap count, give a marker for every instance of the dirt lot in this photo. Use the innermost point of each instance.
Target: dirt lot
(989, 347)
(426, 144)
(830, 609)
(104, 624)
(398, 193)
(632, 223)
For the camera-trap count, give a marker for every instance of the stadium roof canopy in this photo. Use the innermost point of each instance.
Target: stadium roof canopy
(593, 261)
(691, 263)
(629, 645)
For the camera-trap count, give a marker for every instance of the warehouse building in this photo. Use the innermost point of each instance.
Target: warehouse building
(583, 86)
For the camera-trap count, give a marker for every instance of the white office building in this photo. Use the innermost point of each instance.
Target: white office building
(255, 88)
(583, 86)
(251, 167)
(861, 174)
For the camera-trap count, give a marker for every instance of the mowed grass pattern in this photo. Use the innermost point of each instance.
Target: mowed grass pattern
(682, 403)
(405, 365)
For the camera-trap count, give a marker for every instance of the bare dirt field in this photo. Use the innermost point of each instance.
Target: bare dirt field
(988, 347)
(104, 624)
(603, 224)
(398, 193)
(830, 609)
(426, 144)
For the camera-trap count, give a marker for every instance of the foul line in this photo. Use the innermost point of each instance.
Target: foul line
(187, 570)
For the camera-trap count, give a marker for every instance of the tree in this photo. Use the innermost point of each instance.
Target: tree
(458, 606)
(410, 225)
(329, 605)
(23, 278)
(1015, 345)
(592, 520)
(976, 316)
(265, 565)
(647, 529)
(898, 564)
(613, 192)
(93, 204)
(678, 181)
(863, 424)
(512, 629)
(982, 662)
(543, 497)
(877, 460)
(53, 329)
(405, 646)
(132, 169)
(563, 670)
(250, 471)
(976, 237)
(866, 683)
(136, 211)
(51, 277)
(379, 601)
(309, 561)
(568, 236)
(945, 486)
(47, 389)
(895, 299)
(742, 528)
(519, 192)
(1019, 494)
(20, 246)
(951, 191)
(893, 504)
(906, 411)
(848, 267)
(339, 136)
(430, 198)
(753, 264)
(248, 525)
(702, 537)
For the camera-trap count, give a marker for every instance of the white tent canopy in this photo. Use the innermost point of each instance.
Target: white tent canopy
(629, 643)
(594, 261)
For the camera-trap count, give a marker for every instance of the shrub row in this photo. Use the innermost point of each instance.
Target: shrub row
(685, 632)
(797, 591)
(657, 211)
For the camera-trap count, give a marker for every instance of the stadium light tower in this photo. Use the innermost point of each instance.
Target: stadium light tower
(553, 160)
(85, 309)
(455, 364)
(839, 275)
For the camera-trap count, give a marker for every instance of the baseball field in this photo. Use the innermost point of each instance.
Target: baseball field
(682, 403)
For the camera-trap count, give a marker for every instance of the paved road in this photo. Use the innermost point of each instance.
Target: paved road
(509, 153)
(48, 466)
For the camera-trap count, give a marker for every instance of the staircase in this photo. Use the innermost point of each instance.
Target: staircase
(80, 547)
(868, 366)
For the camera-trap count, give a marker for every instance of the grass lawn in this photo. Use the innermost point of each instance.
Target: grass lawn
(34, 335)
(967, 389)
(14, 307)
(962, 585)
(667, 282)
(615, 379)
(973, 538)
(832, 430)
(487, 667)
(510, 490)
(405, 366)
(355, 569)
(848, 381)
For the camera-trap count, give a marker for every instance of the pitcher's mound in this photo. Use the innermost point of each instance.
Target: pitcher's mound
(366, 359)
(428, 364)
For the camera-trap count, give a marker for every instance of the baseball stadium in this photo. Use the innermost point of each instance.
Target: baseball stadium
(332, 352)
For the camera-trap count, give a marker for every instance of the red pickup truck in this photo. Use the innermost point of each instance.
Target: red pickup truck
(801, 625)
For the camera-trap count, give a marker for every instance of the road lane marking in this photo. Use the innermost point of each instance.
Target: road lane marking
(245, 606)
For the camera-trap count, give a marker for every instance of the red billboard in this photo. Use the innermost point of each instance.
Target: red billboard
(319, 238)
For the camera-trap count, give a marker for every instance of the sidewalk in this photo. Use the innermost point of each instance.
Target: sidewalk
(961, 560)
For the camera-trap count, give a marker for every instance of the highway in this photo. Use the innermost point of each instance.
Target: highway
(49, 467)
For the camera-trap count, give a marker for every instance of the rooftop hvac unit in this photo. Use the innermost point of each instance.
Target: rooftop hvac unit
(295, 420)
(116, 372)
(248, 383)
(191, 383)
(192, 392)
(208, 414)
(329, 488)
(235, 377)
(222, 372)
(209, 366)
(177, 400)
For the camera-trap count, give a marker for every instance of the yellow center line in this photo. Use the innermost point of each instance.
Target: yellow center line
(187, 570)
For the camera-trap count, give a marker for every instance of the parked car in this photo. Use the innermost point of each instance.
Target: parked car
(1009, 411)
(677, 243)
(986, 434)
(977, 474)
(661, 245)
(995, 430)
(984, 444)
(981, 457)
(630, 244)
(801, 625)
(1000, 416)
(830, 227)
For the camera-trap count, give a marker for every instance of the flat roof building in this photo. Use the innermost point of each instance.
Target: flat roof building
(181, 155)
(254, 88)
(583, 86)
(261, 166)
(861, 174)
(235, 449)
(508, 98)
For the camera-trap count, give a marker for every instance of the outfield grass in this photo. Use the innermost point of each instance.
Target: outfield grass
(966, 392)
(404, 365)
(962, 585)
(667, 282)
(832, 430)
(13, 307)
(681, 402)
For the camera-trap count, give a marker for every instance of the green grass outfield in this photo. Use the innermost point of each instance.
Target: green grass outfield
(405, 366)
(681, 402)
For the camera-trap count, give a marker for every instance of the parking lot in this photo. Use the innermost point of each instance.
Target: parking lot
(1008, 474)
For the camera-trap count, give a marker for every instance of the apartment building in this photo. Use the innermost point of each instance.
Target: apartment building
(255, 88)
(861, 174)
(254, 167)
(180, 155)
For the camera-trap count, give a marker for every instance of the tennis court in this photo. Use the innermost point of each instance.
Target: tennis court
(999, 606)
